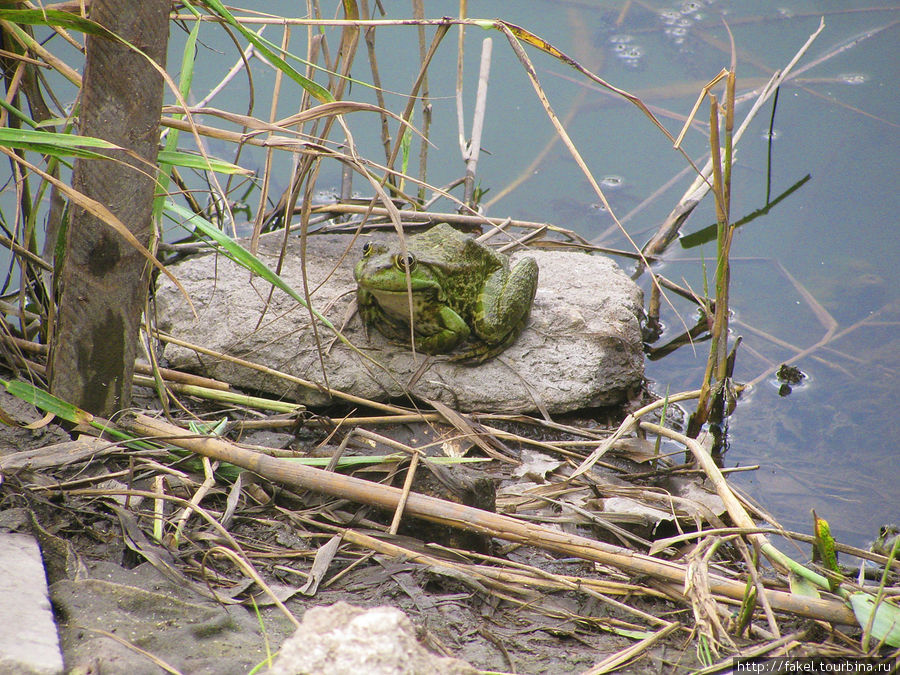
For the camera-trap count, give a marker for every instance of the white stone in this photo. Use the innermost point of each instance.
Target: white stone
(347, 640)
(29, 643)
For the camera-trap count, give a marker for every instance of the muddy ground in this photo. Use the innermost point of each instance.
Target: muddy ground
(123, 599)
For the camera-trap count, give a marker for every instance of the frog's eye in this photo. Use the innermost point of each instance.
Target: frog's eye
(367, 248)
(405, 262)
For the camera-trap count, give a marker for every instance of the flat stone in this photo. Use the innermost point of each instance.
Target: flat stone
(581, 348)
(29, 643)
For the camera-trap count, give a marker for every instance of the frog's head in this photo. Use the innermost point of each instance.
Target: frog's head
(385, 269)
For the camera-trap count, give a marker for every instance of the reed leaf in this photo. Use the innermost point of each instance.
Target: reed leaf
(268, 50)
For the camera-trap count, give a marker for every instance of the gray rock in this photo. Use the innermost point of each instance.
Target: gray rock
(346, 640)
(581, 348)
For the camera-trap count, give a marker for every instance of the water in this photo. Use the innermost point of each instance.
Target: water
(817, 267)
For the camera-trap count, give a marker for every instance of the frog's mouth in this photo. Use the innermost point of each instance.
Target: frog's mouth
(396, 303)
(381, 287)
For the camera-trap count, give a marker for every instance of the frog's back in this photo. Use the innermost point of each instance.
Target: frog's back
(462, 263)
(446, 246)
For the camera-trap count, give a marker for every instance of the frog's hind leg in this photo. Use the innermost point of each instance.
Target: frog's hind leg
(504, 304)
(502, 310)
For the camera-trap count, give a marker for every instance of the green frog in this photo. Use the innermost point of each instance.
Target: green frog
(460, 289)
(887, 539)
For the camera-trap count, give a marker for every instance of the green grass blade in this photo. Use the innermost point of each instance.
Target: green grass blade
(247, 260)
(24, 137)
(47, 402)
(18, 114)
(72, 145)
(184, 88)
(192, 161)
(55, 17)
(64, 410)
(886, 624)
(315, 89)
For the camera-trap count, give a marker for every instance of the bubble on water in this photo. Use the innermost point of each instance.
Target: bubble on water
(624, 48)
(631, 56)
(773, 135)
(597, 206)
(611, 181)
(785, 12)
(678, 21)
(669, 16)
(853, 78)
(621, 39)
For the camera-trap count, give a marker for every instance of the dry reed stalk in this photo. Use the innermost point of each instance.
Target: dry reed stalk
(472, 148)
(615, 661)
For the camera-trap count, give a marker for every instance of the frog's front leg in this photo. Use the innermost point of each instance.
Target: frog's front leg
(449, 328)
(504, 303)
(368, 308)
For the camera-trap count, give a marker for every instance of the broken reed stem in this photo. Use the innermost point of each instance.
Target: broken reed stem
(414, 94)
(209, 481)
(407, 487)
(700, 416)
(514, 578)
(668, 231)
(429, 216)
(425, 100)
(627, 425)
(727, 228)
(224, 397)
(369, 35)
(460, 53)
(737, 513)
(468, 518)
(177, 381)
(614, 661)
(473, 147)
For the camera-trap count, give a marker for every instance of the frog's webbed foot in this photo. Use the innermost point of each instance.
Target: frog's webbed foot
(475, 356)
(479, 351)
